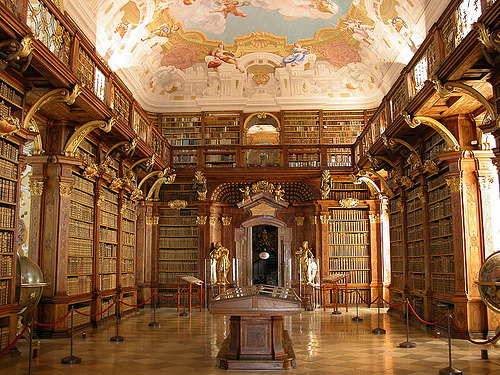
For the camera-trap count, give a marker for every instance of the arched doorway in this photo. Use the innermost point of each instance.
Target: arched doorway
(251, 241)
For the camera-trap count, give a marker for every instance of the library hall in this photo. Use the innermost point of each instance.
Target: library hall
(287, 186)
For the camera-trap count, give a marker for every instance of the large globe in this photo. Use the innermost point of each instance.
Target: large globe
(489, 282)
(29, 285)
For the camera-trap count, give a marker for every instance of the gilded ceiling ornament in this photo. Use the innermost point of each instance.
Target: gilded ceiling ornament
(65, 189)
(36, 188)
(299, 220)
(261, 78)
(201, 220)
(349, 202)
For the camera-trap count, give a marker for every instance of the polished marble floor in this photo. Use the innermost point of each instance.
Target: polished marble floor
(323, 343)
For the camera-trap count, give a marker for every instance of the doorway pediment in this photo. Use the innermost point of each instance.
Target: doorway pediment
(263, 204)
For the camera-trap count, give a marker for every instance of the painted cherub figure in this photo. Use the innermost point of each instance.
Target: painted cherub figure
(227, 7)
(221, 56)
(163, 31)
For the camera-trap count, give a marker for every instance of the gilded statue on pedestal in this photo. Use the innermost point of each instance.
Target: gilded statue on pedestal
(307, 264)
(219, 265)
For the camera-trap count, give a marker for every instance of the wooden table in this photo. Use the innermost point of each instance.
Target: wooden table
(189, 282)
(257, 339)
(330, 287)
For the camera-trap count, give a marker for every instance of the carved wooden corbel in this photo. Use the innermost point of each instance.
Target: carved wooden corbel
(80, 134)
(154, 192)
(15, 54)
(125, 148)
(451, 142)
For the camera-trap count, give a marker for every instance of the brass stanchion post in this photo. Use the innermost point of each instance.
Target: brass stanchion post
(117, 337)
(357, 317)
(154, 301)
(407, 343)
(450, 370)
(71, 359)
(379, 330)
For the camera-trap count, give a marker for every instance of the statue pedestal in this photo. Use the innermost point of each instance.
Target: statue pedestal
(257, 340)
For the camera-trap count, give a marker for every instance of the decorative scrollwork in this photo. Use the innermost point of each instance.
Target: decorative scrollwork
(80, 134)
(349, 202)
(451, 142)
(200, 185)
(177, 204)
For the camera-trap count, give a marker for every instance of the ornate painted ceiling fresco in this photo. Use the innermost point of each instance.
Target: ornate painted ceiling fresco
(192, 55)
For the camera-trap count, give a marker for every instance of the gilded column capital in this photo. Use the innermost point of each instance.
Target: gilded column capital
(65, 189)
(299, 220)
(313, 219)
(36, 188)
(201, 220)
(374, 218)
(152, 220)
(485, 182)
(323, 219)
(226, 220)
(455, 184)
(213, 220)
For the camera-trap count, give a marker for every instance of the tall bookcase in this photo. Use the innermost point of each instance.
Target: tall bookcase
(221, 128)
(178, 245)
(301, 128)
(81, 237)
(9, 187)
(108, 239)
(181, 129)
(416, 241)
(349, 249)
(127, 271)
(397, 247)
(342, 127)
(343, 190)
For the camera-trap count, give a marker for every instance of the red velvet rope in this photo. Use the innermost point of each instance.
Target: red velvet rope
(14, 342)
(364, 301)
(140, 304)
(423, 321)
(198, 294)
(466, 337)
(393, 304)
(170, 299)
(102, 312)
(53, 324)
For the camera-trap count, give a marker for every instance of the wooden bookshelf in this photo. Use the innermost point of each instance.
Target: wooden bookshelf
(338, 157)
(221, 128)
(349, 250)
(343, 190)
(304, 158)
(9, 193)
(127, 254)
(220, 158)
(178, 245)
(81, 237)
(108, 239)
(181, 129)
(416, 240)
(397, 247)
(178, 191)
(342, 127)
(182, 158)
(301, 127)
(442, 253)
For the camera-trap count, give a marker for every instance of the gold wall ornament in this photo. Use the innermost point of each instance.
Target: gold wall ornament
(149, 162)
(65, 189)
(213, 220)
(123, 209)
(90, 170)
(8, 124)
(201, 220)
(349, 202)
(406, 182)
(485, 182)
(262, 187)
(226, 220)
(325, 186)
(152, 220)
(200, 185)
(136, 194)
(323, 219)
(36, 188)
(455, 184)
(116, 183)
(154, 192)
(451, 142)
(430, 167)
(422, 197)
(79, 135)
(99, 198)
(177, 204)
(299, 220)
(374, 218)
